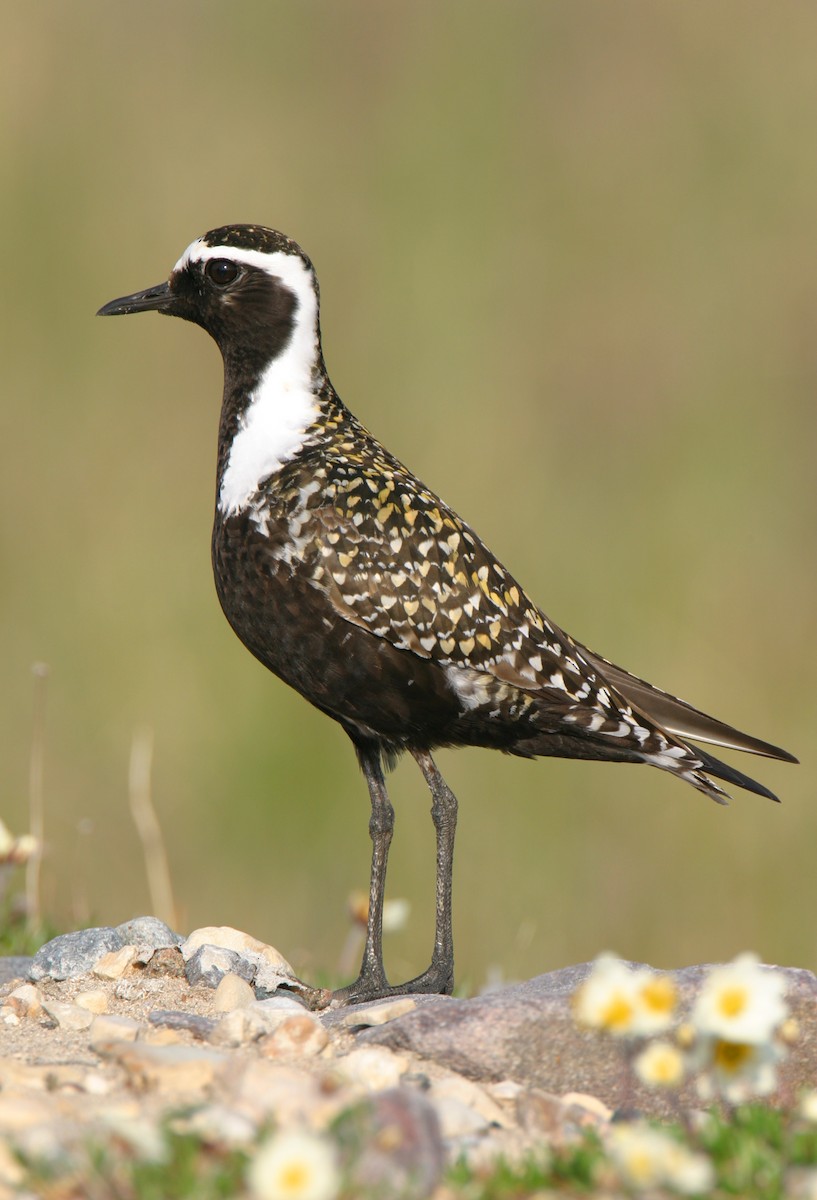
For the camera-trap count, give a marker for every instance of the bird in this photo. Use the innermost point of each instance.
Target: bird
(359, 587)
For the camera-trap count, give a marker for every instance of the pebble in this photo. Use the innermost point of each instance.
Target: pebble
(251, 1022)
(179, 1070)
(299, 1036)
(210, 964)
(95, 1000)
(68, 1016)
(109, 1027)
(373, 1067)
(378, 1014)
(231, 993)
(24, 1001)
(115, 963)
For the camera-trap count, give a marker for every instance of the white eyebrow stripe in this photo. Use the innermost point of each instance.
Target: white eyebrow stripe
(289, 268)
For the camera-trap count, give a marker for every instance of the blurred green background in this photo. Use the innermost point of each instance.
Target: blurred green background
(567, 257)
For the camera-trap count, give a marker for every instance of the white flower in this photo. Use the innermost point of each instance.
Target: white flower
(647, 1158)
(741, 1002)
(608, 997)
(294, 1166)
(807, 1107)
(737, 1071)
(656, 1000)
(624, 1001)
(660, 1065)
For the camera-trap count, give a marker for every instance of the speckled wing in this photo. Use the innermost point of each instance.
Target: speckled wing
(396, 561)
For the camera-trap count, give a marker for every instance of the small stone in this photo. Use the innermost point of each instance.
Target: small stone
(148, 931)
(210, 964)
(167, 963)
(471, 1096)
(457, 1120)
(282, 1092)
(68, 1016)
(269, 968)
(190, 1022)
(218, 1125)
(251, 1022)
(375, 1069)
(299, 1036)
(168, 1069)
(24, 1001)
(378, 1014)
(73, 954)
(232, 992)
(95, 1000)
(115, 963)
(109, 1027)
(390, 1145)
(135, 989)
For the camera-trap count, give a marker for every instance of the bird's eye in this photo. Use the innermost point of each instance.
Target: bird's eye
(221, 271)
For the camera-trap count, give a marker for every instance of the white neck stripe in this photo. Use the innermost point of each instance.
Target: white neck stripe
(283, 405)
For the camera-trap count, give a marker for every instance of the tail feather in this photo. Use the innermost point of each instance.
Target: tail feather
(683, 721)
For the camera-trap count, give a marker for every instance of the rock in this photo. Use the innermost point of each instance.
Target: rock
(391, 1146)
(375, 1068)
(148, 931)
(167, 963)
(73, 954)
(218, 1125)
(251, 1022)
(361, 1015)
(457, 1121)
(190, 1022)
(526, 1033)
(232, 992)
(210, 964)
(137, 988)
(14, 968)
(24, 1001)
(178, 1070)
(68, 1016)
(95, 1000)
(111, 1028)
(471, 1096)
(269, 1091)
(299, 1036)
(115, 963)
(233, 939)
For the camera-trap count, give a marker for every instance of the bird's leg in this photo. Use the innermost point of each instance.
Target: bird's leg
(440, 975)
(372, 982)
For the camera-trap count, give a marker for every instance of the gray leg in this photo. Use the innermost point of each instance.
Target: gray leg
(371, 981)
(439, 978)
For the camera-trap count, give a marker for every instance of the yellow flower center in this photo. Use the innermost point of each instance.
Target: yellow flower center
(732, 1001)
(731, 1056)
(659, 995)
(618, 1013)
(294, 1178)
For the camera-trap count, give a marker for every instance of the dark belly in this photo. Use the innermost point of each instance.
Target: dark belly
(290, 625)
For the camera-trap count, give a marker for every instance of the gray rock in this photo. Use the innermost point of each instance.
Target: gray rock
(200, 1027)
(527, 1033)
(209, 965)
(73, 954)
(14, 966)
(391, 1146)
(148, 931)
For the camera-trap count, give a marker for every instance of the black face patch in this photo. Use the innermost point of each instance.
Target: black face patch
(250, 316)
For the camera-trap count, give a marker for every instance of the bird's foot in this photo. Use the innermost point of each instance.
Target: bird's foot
(438, 980)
